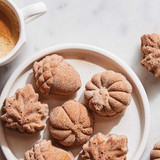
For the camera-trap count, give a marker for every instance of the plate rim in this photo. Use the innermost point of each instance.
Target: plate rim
(147, 120)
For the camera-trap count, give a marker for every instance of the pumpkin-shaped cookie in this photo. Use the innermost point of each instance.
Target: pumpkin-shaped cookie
(43, 150)
(23, 111)
(102, 147)
(53, 75)
(71, 123)
(108, 93)
(155, 153)
(150, 46)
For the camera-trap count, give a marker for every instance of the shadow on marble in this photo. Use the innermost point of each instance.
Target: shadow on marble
(7, 70)
(2, 155)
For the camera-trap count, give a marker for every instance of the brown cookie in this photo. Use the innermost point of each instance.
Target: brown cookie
(43, 150)
(23, 111)
(150, 46)
(155, 153)
(53, 75)
(110, 147)
(71, 123)
(108, 93)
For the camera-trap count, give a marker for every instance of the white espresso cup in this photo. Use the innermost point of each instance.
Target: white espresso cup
(24, 15)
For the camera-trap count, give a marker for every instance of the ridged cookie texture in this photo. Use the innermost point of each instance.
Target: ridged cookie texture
(150, 47)
(108, 93)
(71, 124)
(155, 153)
(110, 147)
(53, 75)
(43, 150)
(23, 111)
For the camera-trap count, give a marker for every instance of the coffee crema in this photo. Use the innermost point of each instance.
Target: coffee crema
(9, 30)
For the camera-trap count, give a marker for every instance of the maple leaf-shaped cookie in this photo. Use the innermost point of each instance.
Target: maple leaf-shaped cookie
(150, 47)
(106, 147)
(43, 150)
(23, 111)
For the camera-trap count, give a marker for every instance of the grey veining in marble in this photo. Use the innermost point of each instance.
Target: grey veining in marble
(115, 25)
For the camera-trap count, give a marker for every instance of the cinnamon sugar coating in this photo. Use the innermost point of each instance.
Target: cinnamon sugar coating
(110, 147)
(150, 46)
(43, 150)
(108, 93)
(155, 153)
(23, 111)
(53, 75)
(71, 123)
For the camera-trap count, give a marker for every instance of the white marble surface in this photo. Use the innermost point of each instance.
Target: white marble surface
(113, 25)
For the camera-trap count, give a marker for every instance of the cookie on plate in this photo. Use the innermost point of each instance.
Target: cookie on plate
(150, 47)
(23, 111)
(155, 153)
(53, 75)
(110, 147)
(108, 93)
(43, 150)
(71, 123)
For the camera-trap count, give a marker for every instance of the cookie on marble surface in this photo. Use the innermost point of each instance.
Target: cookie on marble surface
(53, 75)
(23, 111)
(43, 150)
(71, 123)
(102, 147)
(108, 93)
(155, 153)
(150, 47)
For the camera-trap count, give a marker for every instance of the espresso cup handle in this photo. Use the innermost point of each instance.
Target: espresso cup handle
(33, 11)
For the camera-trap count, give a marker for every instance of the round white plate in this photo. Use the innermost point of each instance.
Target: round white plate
(87, 60)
